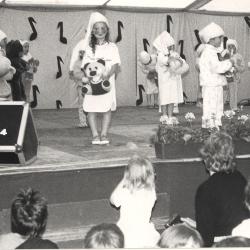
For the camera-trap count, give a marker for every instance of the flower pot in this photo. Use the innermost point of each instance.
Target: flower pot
(241, 147)
(177, 150)
(191, 150)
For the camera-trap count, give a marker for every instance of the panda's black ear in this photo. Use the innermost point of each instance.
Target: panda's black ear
(85, 66)
(101, 61)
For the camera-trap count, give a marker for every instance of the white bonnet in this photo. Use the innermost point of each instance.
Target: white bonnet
(163, 41)
(212, 30)
(233, 42)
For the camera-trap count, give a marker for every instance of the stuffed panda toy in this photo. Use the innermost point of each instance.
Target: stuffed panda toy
(93, 83)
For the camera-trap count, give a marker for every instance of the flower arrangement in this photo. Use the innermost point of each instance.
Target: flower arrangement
(171, 131)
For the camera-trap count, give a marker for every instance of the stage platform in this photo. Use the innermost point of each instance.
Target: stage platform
(63, 145)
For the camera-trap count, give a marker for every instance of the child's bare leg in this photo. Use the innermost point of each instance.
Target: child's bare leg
(148, 100)
(170, 108)
(164, 109)
(106, 119)
(93, 123)
(155, 100)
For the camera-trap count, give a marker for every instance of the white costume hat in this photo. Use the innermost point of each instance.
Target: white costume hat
(2, 35)
(95, 17)
(23, 42)
(163, 41)
(233, 42)
(212, 30)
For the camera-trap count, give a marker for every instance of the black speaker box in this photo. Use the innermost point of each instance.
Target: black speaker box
(18, 136)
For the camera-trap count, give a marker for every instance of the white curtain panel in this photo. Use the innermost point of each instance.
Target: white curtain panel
(131, 28)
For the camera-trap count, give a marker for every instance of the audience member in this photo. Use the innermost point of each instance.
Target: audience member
(219, 201)
(180, 236)
(136, 196)
(233, 242)
(105, 235)
(28, 222)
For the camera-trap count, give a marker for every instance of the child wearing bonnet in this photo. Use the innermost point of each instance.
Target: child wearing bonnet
(6, 73)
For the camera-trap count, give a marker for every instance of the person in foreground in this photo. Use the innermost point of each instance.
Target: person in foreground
(219, 201)
(135, 196)
(180, 236)
(105, 235)
(29, 215)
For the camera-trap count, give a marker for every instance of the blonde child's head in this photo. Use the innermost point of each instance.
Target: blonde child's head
(139, 174)
(180, 236)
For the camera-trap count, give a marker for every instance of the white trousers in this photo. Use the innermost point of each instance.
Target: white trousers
(212, 106)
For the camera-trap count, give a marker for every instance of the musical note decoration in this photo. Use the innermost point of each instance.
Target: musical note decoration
(33, 35)
(119, 36)
(140, 100)
(169, 21)
(145, 44)
(35, 89)
(181, 43)
(61, 38)
(247, 20)
(58, 104)
(59, 72)
(196, 32)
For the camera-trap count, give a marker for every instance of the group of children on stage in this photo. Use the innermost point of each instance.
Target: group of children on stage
(17, 69)
(219, 71)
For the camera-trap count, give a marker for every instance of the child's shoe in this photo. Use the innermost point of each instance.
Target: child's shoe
(96, 140)
(104, 140)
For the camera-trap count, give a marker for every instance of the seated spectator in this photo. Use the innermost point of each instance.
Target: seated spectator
(233, 242)
(28, 222)
(219, 201)
(180, 236)
(243, 229)
(104, 236)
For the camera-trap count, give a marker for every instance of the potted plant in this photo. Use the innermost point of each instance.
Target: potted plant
(174, 141)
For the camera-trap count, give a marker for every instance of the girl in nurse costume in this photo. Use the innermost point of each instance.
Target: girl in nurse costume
(97, 45)
(170, 84)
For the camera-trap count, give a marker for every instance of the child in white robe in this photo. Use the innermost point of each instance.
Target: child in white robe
(212, 79)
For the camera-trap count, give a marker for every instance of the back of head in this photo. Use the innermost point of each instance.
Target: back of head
(236, 241)
(29, 213)
(139, 173)
(180, 236)
(104, 235)
(218, 152)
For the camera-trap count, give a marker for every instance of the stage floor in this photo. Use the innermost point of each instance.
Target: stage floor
(65, 146)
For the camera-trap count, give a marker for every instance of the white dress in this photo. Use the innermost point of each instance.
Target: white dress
(135, 214)
(110, 54)
(170, 85)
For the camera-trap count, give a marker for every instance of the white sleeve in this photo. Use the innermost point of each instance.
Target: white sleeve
(116, 56)
(117, 195)
(217, 66)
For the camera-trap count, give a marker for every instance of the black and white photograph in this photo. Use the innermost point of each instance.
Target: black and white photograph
(124, 124)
